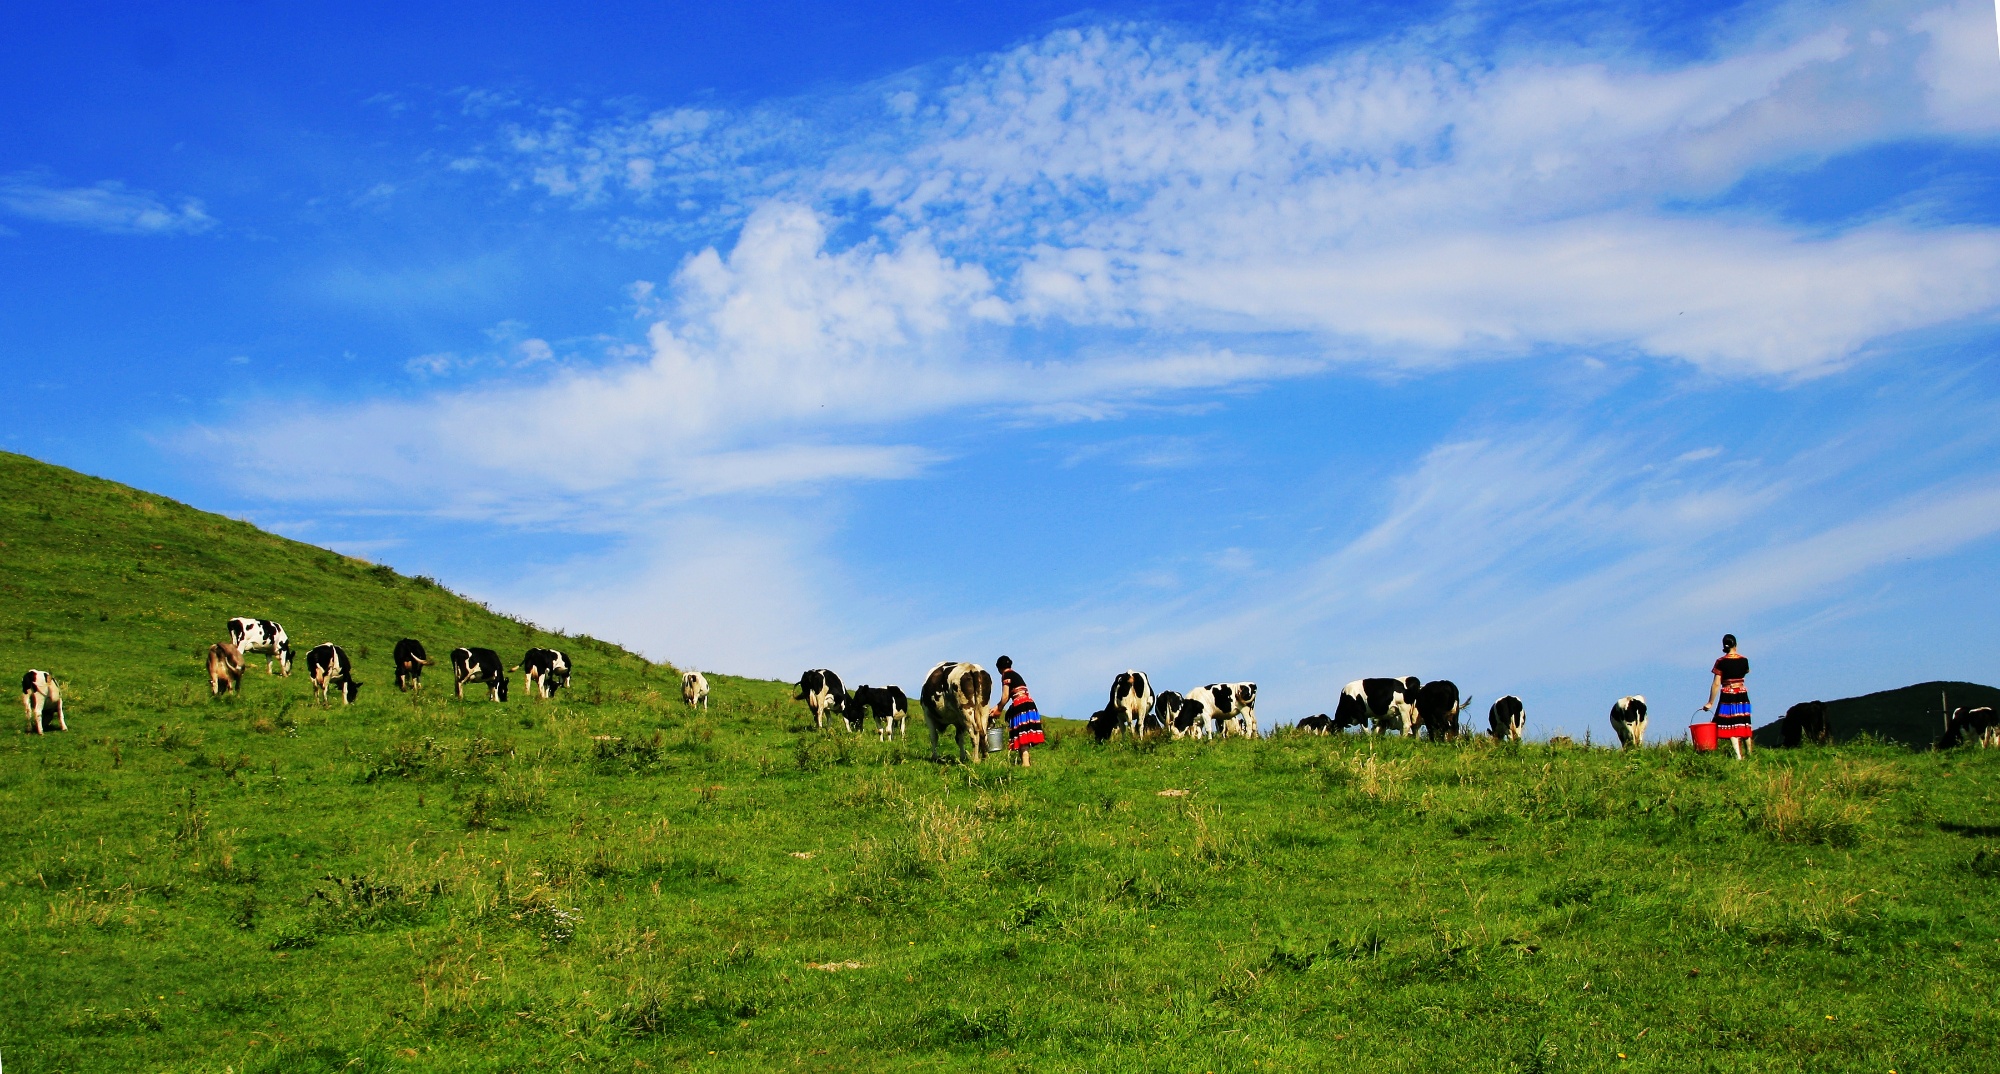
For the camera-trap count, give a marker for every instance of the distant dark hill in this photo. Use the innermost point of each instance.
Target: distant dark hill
(1912, 716)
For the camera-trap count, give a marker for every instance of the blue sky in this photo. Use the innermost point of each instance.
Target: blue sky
(1532, 346)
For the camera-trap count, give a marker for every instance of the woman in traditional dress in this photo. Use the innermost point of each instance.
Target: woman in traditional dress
(1024, 724)
(1732, 717)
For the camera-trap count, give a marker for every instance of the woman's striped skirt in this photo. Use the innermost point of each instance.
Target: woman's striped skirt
(1732, 715)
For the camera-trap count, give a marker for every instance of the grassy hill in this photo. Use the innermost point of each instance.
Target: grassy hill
(609, 880)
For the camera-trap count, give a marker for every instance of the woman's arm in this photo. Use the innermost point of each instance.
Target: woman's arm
(1714, 691)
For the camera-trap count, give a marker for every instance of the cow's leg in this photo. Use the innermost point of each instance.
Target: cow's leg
(458, 688)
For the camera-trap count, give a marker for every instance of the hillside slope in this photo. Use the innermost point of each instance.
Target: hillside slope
(110, 588)
(414, 883)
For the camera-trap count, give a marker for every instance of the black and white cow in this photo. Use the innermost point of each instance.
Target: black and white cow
(262, 636)
(1803, 721)
(1507, 719)
(1173, 713)
(1628, 718)
(1379, 704)
(888, 704)
(1438, 707)
(955, 695)
(478, 665)
(1131, 699)
(1317, 724)
(411, 660)
(225, 669)
(328, 667)
(1971, 725)
(1104, 723)
(1230, 708)
(694, 689)
(42, 700)
(820, 689)
(544, 671)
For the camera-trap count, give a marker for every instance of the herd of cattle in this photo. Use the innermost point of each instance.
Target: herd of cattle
(957, 696)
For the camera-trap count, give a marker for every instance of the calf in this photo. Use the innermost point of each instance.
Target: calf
(1805, 720)
(1104, 723)
(1506, 719)
(225, 669)
(1182, 717)
(888, 704)
(327, 666)
(1438, 707)
(262, 636)
(955, 695)
(1379, 704)
(694, 689)
(42, 700)
(1318, 724)
(478, 665)
(1131, 699)
(820, 689)
(1628, 718)
(1974, 725)
(411, 660)
(544, 671)
(1166, 705)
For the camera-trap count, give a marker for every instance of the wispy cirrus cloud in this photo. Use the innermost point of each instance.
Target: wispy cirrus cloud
(109, 206)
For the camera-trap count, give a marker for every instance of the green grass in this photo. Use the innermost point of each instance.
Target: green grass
(259, 884)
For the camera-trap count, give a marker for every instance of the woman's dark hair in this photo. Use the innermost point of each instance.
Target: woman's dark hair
(1004, 663)
(1729, 641)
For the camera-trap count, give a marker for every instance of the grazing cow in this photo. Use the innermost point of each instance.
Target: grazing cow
(1229, 708)
(1628, 718)
(1180, 716)
(1438, 707)
(955, 695)
(1104, 723)
(544, 671)
(1131, 699)
(1975, 725)
(888, 704)
(1805, 720)
(262, 636)
(820, 689)
(1379, 704)
(1506, 719)
(42, 700)
(225, 669)
(1317, 724)
(327, 666)
(478, 665)
(411, 660)
(694, 689)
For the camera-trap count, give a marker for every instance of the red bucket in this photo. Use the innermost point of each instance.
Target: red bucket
(1703, 735)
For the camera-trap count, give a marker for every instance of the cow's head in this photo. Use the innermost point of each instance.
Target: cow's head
(285, 657)
(1246, 693)
(349, 691)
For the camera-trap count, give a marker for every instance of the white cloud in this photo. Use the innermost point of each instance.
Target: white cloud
(109, 206)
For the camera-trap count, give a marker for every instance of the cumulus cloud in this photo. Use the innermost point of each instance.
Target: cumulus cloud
(109, 206)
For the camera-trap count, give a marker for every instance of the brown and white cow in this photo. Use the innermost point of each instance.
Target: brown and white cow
(694, 689)
(42, 699)
(955, 695)
(1628, 718)
(225, 669)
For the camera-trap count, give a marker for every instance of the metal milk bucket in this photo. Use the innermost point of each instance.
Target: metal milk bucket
(996, 738)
